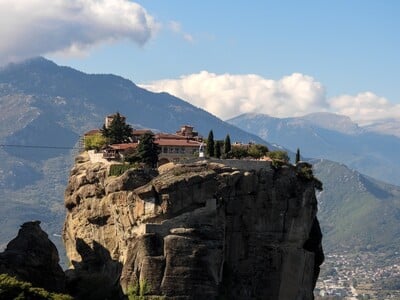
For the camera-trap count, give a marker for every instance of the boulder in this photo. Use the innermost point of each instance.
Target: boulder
(32, 257)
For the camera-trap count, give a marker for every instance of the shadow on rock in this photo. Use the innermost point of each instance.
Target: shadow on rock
(96, 276)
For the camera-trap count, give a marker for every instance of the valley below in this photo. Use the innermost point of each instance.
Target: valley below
(359, 275)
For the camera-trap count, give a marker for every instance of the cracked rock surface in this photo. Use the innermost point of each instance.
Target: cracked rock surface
(196, 231)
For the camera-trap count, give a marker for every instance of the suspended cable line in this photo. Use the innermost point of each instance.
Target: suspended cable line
(37, 147)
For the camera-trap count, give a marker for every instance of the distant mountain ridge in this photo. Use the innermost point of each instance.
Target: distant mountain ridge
(333, 137)
(334, 122)
(389, 126)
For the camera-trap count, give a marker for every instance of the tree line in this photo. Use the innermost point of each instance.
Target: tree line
(225, 150)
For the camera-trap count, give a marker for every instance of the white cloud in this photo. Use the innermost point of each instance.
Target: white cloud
(365, 107)
(188, 37)
(176, 28)
(229, 95)
(36, 27)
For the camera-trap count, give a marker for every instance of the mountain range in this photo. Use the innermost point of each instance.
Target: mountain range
(45, 108)
(334, 137)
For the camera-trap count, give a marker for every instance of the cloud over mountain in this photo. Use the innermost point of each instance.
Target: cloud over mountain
(229, 95)
(365, 107)
(295, 95)
(37, 27)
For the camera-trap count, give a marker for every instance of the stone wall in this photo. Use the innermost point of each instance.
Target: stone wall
(244, 164)
(96, 157)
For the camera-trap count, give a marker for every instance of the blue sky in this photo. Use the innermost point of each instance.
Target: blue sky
(340, 48)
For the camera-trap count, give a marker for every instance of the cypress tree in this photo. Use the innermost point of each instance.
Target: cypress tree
(210, 144)
(147, 150)
(297, 155)
(217, 150)
(227, 144)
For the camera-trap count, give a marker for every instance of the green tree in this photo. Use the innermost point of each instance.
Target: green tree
(148, 150)
(227, 144)
(297, 155)
(238, 152)
(279, 155)
(118, 131)
(257, 150)
(217, 149)
(131, 155)
(210, 144)
(95, 142)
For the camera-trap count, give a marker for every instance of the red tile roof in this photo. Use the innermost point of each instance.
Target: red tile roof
(178, 143)
(160, 142)
(169, 136)
(92, 132)
(141, 131)
(123, 146)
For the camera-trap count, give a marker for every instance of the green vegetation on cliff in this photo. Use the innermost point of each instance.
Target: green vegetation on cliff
(11, 288)
(118, 169)
(95, 142)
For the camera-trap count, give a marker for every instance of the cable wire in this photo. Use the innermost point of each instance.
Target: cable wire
(37, 147)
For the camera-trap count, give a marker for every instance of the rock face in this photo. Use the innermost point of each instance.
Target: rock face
(239, 230)
(32, 257)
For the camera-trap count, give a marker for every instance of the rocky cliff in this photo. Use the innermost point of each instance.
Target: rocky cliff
(194, 231)
(32, 257)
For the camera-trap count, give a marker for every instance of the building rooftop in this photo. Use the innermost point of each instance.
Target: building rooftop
(177, 142)
(92, 132)
(171, 136)
(139, 132)
(123, 146)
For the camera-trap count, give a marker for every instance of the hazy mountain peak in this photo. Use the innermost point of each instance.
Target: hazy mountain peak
(333, 121)
(34, 62)
(326, 120)
(251, 116)
(389, 126)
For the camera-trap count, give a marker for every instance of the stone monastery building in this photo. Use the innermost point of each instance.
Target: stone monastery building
(185, 143)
